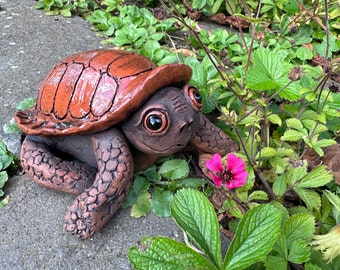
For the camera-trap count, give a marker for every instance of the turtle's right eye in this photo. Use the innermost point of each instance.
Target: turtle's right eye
(156, 121)
(194, 96)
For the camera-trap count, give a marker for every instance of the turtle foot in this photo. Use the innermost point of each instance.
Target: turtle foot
(80, 223)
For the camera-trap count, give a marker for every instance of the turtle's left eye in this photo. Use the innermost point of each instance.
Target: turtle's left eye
(156, 121)
(194, 96)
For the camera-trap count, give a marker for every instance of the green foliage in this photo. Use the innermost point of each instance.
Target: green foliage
(7, 160)
(153, 189)
(292, 243)
(254, 238)
(66, 7)
(25, 104)
(269, 84)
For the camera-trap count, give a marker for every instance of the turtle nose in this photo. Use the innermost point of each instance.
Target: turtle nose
(186, 126)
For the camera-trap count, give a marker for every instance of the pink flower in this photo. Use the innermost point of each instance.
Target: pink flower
(232, 174)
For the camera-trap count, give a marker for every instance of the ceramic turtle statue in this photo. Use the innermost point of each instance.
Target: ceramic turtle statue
(100, 116)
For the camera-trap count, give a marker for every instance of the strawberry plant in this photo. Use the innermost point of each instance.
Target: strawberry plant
(274, 85)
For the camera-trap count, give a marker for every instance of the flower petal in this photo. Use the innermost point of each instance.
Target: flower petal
(215, 163)
(235, 163)
(240, 176)
(217, 180)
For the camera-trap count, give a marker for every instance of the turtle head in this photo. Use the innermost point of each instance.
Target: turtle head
(166, 121)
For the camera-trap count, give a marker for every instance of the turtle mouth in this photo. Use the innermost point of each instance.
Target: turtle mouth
(168, 150)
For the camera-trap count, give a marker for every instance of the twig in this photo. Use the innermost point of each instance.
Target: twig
(313, 17)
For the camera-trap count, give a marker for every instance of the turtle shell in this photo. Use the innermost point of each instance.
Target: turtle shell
(92, 91)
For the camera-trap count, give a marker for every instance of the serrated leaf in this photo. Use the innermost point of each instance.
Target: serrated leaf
(258, 195)
(309, 197)
(324, 143)
(298, 227)
(275, 263)
(296, 173)
(266, 152)
(304, 54)
(294, 123)
(160, 202)
(334, 199)
(299, 252)
(280, 185)
(318, 177)
(274, 119)
(194, 213)
(269, 71)
(165, 253)
(174, 169)
(292, 135)
(233, 208)
(279, 164)
(142, 206)
(255, 236)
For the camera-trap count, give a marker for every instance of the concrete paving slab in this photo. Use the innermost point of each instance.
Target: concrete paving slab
(31, 225)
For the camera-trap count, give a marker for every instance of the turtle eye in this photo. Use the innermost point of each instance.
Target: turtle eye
(194, 96)
(156, 121)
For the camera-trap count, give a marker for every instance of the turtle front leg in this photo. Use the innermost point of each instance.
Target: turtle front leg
(209, 140)
(53, 172)
(97, 204)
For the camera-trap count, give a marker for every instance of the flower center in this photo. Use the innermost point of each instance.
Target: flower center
(227, 175)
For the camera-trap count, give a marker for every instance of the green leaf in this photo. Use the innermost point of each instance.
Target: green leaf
(318, 177)
(165, 253)
(295, 123)
(298, 227)
(3, 179)
(255, 236)
(296, 173)
(280, 185)
(275, 263)
(266, 152)
(233, 208)
(269, 71)
(292, 135)
(334, 199)
(66, 12)
(6, 157)
(258, 195)
(324, 143)
(299, 252)
(303, 35)
(4, 202)
(304, 54)
(187, 183)
(140, 184)
(309, 197)
(160, 202)
(174, 169)
(25, 104)
(194, 213)
(11, 127)
(274, 119)
(142, 206)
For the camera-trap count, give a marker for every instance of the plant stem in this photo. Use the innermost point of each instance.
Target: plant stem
(257, 171)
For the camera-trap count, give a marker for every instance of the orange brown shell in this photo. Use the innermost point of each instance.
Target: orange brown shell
(92, 91)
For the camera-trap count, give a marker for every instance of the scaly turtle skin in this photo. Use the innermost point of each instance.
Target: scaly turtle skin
(100, 116)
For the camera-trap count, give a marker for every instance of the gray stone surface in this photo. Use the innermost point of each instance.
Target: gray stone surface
(31, 225)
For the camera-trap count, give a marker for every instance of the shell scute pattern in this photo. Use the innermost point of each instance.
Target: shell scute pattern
(91, 91)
